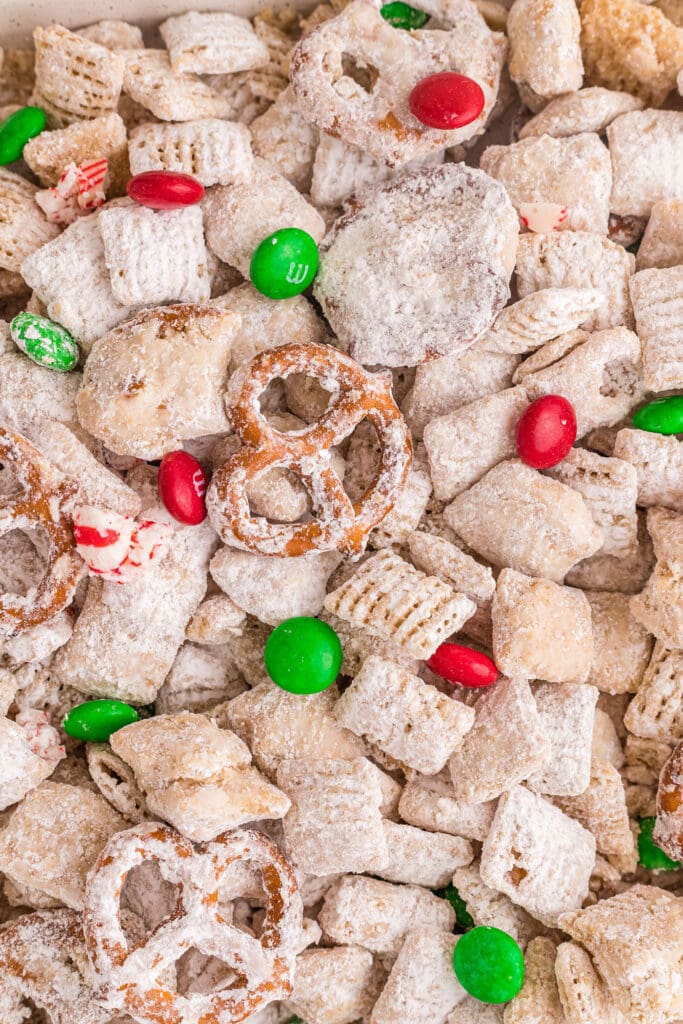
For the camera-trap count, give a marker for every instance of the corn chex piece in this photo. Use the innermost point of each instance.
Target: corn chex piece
(491, 908)
(463, 445)
(588, 110)
(538, 1001)
(149, 80)
(37, 851)
(407, 718)
(422, 858)
(662, 244)
(334, 986)
(335, 822)
(211, 150)
(538, 856)
(284, 138)
(391, 599)
(515, 517)
(101, 137)
(609, 487)
(428, 802)
(405, 516)
(658, 461)
(646, 147)
(608, 31)
(241, 215)
(212, 44)
(545, 56)
(621, 645)
(23, 226)
(579, 259)
(506, 744)
(541, 630)
(574, 173)
(567, 714)
(155, 256)
(601, 809)
(76, 79)
(114, 34)
(636, 942)
(378, 915)
(583, 996)
(539, 317)
(656, 711)
(600, 377)
(657, 297)
(422, 985)
(659, 606)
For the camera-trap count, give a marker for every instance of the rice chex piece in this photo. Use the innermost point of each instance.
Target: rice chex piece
(646, 147)
(656, 711)
(583, 995)
(70, 276)
(601, 808)
(658, 461)
(378, 915)
(541, 630)
(149, 80)
(516, 517)
(545, 56)
(407, 718)
(539, 857)
(389, 598)
(155, 256)
(659, 606)
(334, 986)
(538, 1001)
(657, 297)
(114, 34)
(568, 715)
(491, 908)
(588, 110)
(428, 802)
(422, 858)
(506, 744)
(662, 243)
(335, 821)
(636, 941)
(76, 79)
(471, 1011)
(580, 259)
(284, 138)
(23, 225)
(49, 153)
(539, 317)
(422, 985)
(621, 645)
(211, 150)
(212, 44)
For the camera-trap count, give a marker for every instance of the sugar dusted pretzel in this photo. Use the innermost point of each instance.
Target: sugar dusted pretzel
(130, 979)
(40, 505)
(340, 524)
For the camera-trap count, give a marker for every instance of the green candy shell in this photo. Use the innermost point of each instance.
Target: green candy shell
(489, 965)
(303, 655)
(284, 264)
(662, 416)
(650, 856)
(402, 15)
(17, 129)
(96, 720)
(45, 342)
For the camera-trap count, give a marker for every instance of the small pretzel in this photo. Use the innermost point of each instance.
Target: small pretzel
(40, 506)
(131, 978)
(340, 524)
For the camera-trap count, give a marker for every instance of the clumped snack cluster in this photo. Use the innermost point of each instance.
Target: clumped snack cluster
(341, 517)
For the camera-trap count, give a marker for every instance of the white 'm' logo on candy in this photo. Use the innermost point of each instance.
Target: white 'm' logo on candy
(297, 273)
(199, 483)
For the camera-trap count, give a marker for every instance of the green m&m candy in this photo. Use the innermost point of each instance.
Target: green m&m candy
(463, 917)
(489, 965)
(662, 416)
(650, 856)
(402, 15)
(284, 263)
(96, 720)
(17, 129)
(303, 655)
(45, 342)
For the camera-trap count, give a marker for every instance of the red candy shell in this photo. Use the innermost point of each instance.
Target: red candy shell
(182, 486)
(165, 190)
(447, 100)
(459, 664)
(546, 431)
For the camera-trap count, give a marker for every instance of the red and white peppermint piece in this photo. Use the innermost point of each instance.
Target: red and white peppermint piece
(79, 190)
(542, 217)
(42, 738)
(116, 547)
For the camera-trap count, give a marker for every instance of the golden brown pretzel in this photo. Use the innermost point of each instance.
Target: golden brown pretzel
(340, 524)
(39, 506)
(131, 979)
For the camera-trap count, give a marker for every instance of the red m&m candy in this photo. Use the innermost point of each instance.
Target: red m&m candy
(546, 431)
(463, 665)
(447, 100)
(165, 190)
(182, 486)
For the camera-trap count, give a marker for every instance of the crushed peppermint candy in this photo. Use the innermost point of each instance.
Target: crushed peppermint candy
(79, 191)
(42, 738)
(542, 217)
(116, 547)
